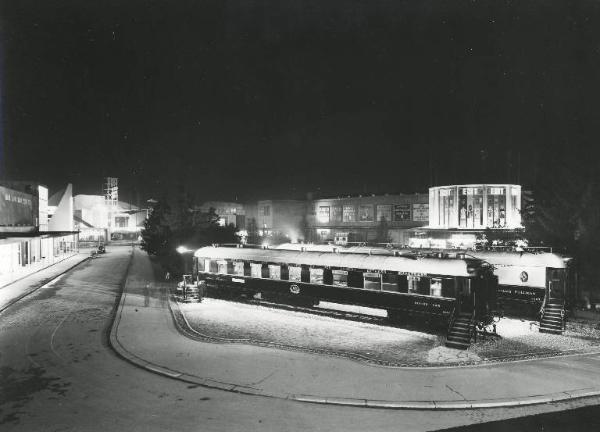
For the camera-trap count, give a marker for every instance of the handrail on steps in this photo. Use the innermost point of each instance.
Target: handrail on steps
(451, 320)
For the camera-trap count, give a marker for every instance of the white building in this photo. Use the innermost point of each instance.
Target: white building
(458, 214)
(97, 221)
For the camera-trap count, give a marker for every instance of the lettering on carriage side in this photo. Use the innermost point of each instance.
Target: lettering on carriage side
(294, 289)
(238, 280)
(412, 274)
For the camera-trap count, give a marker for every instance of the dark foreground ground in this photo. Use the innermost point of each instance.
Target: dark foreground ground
(580, 419)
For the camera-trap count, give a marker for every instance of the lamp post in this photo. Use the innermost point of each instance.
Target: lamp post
(183, 251)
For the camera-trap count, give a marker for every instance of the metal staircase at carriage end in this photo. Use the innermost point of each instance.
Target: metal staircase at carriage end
(553, 317)
(460, 331)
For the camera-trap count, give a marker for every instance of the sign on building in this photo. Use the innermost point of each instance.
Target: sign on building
(420, 212)
(402, 212)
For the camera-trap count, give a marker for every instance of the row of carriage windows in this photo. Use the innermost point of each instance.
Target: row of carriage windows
(392, 282)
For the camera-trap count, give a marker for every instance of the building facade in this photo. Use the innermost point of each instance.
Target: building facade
(475, 206)
(460, 214)
(375, 219)
(228, 212)
(28, 242)
(23, 206)
(98, 222)
(277, 220)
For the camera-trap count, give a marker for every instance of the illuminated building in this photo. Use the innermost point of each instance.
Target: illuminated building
(28, 241)
(459, 214)
(98, 222)
(375, 218)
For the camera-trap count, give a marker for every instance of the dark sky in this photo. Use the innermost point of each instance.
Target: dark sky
(275, 98)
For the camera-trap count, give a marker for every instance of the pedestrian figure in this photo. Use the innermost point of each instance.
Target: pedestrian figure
(167, 276)
(147, 295)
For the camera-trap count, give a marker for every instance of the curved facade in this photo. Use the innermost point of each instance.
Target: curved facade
(475, 206)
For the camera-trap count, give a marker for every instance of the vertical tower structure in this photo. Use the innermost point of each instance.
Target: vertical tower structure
(111, 200)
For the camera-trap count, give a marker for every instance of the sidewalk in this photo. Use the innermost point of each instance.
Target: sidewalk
(15, 291)
(145, 333)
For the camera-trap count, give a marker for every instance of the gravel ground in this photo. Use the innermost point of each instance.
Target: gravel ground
(219, 320)
(252, 323)
(521, 338)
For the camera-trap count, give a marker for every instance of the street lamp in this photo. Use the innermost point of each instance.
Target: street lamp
(182, 250)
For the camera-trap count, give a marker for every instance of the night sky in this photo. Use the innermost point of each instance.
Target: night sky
(256, 99)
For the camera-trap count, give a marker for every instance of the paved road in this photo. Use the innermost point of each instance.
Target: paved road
(58, 373)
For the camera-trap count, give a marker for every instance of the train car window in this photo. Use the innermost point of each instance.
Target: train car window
(316, 275)
(214, 267)
(327, 277)
(355, 279)
(247, 270)
(305, 275)
(435, 287)
(222, 267)
(424, 286)
(295, 273)
(238, 268)
(448, 288)
(389, 282)
(340, 278)
(207, 265)
(372, 281)
(403, 283)
(274, 271)
(256, 270)
(413, 284)
(265, 271)
(284, 272)
(229, 267)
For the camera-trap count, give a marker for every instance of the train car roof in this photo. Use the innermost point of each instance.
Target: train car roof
(436, 266)
(499, 258)
(525, 259)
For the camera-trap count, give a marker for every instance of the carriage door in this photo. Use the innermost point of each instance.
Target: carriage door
(556, 283)
(465, 296)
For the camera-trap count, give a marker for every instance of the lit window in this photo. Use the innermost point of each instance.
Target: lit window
(316, 275)
(365, 213)
(274, 271)
(372, 281)
(349, 213)
(222, 265)
(413, 284)
(436, 287)
(256, 270)
(340, 278)
(295, 273)
(390, 282)
(323, 215)
(207, 265)
(238, 268)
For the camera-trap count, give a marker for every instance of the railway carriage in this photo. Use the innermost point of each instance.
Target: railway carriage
(439, 288)
(530, 283)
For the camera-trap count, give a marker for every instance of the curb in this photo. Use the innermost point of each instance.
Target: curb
(339, 401)
(45, 282)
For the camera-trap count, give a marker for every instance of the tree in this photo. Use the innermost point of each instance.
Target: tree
(156, 233)
(383, 231)
(565, 213)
